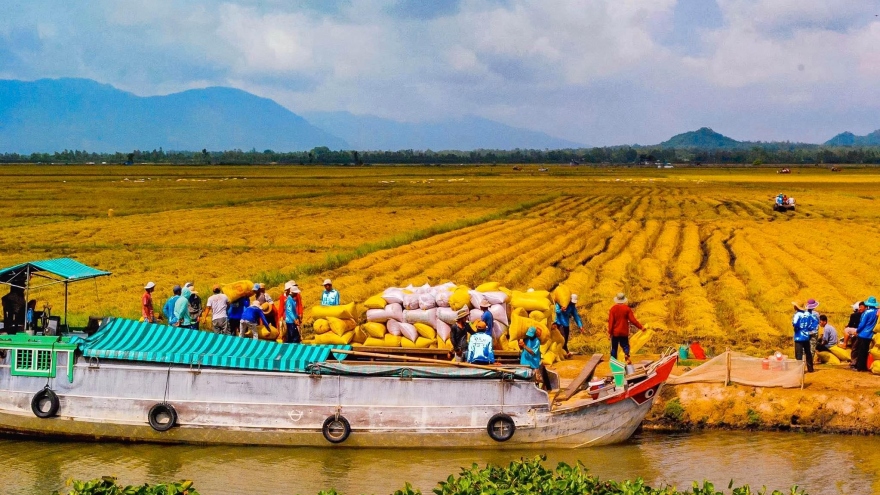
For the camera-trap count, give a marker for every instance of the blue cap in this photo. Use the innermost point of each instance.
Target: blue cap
(531, 332)
(257, 286)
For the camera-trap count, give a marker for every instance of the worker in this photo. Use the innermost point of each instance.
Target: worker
(195, 304)
(829, 334)
(531, 348)
(780, 199)
(480, 346)
(850, 333)
(147, 303)
(168, 309)
(620, 317)
(291, 313)
(805, 323)
(330, 296)
(236, 309)
(459, 333)
(251, 318)
(14, 310)
(866, 333)
(563, 321)
(487, 316)
(260, 294)
(181, 309)
(298, 296)
(218, 306)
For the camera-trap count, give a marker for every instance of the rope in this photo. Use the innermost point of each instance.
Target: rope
(167, 385)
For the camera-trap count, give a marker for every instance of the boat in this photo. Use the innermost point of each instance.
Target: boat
(146, 382)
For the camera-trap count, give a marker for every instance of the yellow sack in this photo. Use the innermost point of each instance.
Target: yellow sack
(420, 343)
(392, 340)
(828, 358)
(875, 368)
(331, 338)
(374, 342)
(529, 303)
(375, 302)
(640, 340)
(875, 352)
(519, 326)
(519, 312)
(459, 298)
(538, 316)
(406, 343)
(425, 330)
(270, 334)
(488, 287)
(444, 344)
(321, 326)
(359, 335)
(340, 327)
(237, 290)
(841, 353)
(562, 295)
(556, 336)
(535, 294)
(343, 311)
(548, 358)
(513, 345)
(374, 329)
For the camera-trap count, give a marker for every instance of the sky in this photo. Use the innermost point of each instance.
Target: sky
(598, 72)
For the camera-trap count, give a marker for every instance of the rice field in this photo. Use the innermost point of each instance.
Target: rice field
(699, 253)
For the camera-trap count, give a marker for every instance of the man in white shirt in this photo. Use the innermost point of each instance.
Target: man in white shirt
(218, 305)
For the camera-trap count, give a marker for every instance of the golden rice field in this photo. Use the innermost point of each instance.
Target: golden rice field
(700, 253)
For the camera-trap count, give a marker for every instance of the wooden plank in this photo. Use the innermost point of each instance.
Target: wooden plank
(584, 376)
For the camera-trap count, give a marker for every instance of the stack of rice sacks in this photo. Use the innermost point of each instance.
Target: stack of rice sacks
(535, 308)
(335, 324)
(413, 317)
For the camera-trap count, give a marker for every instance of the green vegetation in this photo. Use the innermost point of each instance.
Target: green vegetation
(674, 411)
(523, 477)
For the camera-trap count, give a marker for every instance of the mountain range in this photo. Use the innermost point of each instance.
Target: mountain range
(51, 115)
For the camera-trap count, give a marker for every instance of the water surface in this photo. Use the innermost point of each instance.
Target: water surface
(823, 464)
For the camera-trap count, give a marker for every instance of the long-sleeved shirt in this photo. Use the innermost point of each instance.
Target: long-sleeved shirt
(291, 309)
(147, 308)
(829, 336)
(480, 349)
(237, 307)
(168, 309)
(564, 316)
(531, 359)
(330, 298)
(253, 314)
(489, 320)
(867, 324)
(805, 323)
(459, 334)
(181, 310)
(619, 318)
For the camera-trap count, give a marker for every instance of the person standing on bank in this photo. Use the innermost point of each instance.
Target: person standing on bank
(218, 305)
(866, 333)
(291, 314)
(147, 303)
(806, 324)
(330, 296)
(168, 309)
(181, 310)
(620, 317)
(195, 304)
(563, 321)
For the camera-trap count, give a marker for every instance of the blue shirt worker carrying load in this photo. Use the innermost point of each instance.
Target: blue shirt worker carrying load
(806, 324)
(330, 296)
(531, 349)
(487, 317)
(564, 316)
(251, 318)
(865, 333)
(480, 346)
(291, 313)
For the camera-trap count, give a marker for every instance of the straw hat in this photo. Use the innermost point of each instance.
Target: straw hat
(484, 303)
(150, 285)
(287, 286)
(797, 306)
(620, 298)
(462, 313)
(266, 307)
(294, 290)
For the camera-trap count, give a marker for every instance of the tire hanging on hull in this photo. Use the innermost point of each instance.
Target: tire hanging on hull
(162, 417)
(336, 429)
(501, 427)
(45, 403)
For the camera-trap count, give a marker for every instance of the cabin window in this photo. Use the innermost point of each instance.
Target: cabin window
(34, 362)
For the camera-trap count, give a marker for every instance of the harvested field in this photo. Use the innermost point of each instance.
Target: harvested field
(700, 253)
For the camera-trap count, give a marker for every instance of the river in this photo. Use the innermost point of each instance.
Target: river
(823, 464)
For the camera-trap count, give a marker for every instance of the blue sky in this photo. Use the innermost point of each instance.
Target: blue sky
(593, 71)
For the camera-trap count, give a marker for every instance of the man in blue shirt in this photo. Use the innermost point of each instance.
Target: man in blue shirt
(168, 309)
(531, 349)
(480, 346)
(487, 317)
(563, 321)
(251, 318)
(806, 324)
(291, 316)
(865, 333)
(330, 296)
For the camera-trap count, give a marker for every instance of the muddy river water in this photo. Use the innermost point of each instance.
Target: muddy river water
(822, 464)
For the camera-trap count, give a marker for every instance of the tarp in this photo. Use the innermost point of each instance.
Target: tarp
(416, 371)
(744, 370)
(136, 341)
(67, 269)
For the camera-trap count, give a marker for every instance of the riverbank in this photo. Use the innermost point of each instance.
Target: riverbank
(834, 399)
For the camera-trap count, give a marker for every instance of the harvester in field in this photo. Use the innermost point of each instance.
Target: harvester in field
(783, 203)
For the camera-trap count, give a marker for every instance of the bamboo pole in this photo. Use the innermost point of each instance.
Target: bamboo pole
(422, 360)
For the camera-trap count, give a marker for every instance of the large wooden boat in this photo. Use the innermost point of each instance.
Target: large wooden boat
(144, 382)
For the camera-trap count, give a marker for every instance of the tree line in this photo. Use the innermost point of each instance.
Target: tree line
(770, 153)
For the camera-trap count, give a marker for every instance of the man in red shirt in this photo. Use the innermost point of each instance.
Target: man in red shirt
(147, 303)
(619, 319)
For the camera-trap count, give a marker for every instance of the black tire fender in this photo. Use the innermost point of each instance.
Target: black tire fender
(41, 400)
(336, 429)
(162, 416)
(501, 427)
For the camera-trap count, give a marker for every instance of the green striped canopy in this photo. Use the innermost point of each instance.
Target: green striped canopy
(67, 269)
(135, 341)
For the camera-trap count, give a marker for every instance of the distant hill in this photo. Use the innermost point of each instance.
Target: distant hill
(850, 139)
(366, 132)
(703, 137)
(55, 114)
